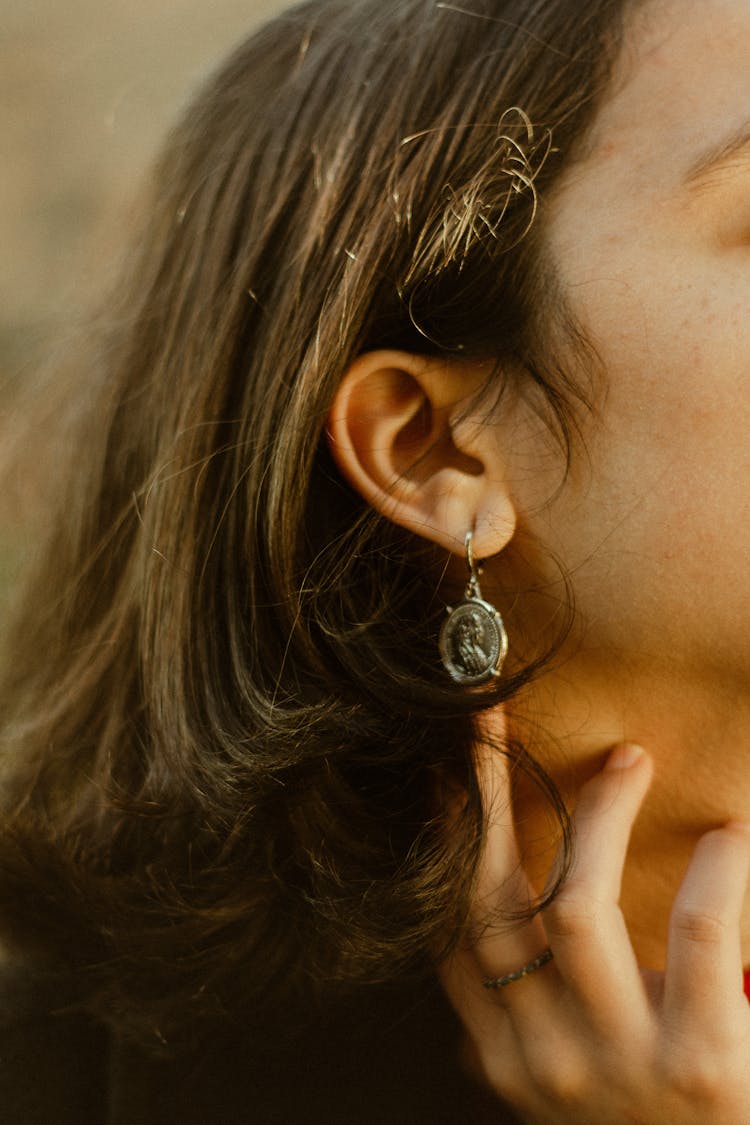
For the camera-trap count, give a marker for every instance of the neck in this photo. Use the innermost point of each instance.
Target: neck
(698, 735)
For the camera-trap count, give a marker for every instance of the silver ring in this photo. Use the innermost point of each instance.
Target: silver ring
(525, 970)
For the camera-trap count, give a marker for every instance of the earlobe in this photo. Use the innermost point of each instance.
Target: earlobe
(400, 432)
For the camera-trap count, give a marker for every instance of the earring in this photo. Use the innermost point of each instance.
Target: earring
(473, 641)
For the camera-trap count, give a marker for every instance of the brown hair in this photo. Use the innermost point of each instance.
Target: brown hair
(224, 719)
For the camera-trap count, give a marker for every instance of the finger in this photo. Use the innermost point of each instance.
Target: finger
(496, 1055)
(584, 923)
(495, 947)
(503, 890)
(603, 820)
(703, 981)
(486, 1023)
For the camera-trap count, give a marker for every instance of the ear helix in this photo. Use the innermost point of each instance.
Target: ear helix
(473, 641)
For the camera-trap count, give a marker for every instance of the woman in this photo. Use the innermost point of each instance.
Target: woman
(419, 286)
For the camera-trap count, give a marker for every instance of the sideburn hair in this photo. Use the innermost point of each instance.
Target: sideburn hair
(224, 724)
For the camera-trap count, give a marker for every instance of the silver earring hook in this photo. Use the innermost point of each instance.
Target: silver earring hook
(475, 569)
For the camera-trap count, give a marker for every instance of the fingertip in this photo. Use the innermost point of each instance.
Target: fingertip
(625, 756)
(740, 826)
(738, 829)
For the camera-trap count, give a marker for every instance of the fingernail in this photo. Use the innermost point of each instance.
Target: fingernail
(625, 756)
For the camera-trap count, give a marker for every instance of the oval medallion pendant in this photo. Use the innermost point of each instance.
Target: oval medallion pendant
(473, 642)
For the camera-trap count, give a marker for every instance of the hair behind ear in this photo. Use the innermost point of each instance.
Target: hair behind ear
(223, 719)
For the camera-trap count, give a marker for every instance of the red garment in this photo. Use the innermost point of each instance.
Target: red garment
(747, 984)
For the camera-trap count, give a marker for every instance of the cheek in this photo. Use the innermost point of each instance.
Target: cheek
(658, 523)
(675, 357)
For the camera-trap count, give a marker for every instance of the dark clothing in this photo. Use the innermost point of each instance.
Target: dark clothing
(398, 1067)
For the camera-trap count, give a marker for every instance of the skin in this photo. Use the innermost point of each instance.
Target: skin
(641, 1015)
(653, 526)
(653, 258)
(591, 1037)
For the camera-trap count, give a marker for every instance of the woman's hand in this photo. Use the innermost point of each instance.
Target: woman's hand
(589, 1038)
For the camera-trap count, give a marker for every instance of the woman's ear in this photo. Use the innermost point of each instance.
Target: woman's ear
(408, 434)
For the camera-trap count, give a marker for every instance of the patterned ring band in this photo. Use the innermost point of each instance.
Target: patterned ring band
(524, 971)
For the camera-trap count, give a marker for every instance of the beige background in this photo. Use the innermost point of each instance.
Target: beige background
(87, 90)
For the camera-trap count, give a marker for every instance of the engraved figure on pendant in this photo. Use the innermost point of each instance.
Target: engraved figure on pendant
(469, 639)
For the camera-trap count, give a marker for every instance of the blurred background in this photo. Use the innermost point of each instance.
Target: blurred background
(88, 89)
